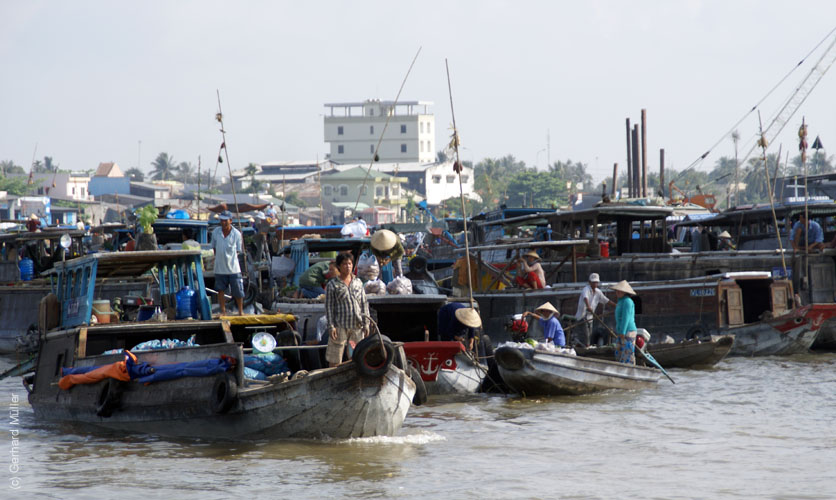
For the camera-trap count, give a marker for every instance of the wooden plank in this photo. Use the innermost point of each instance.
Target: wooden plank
(81, 348)
(734, 301)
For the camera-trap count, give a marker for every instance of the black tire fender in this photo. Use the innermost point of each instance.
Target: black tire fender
(370, 359)
(696, 332)
(110, 396)
(224, 392)
(420, 396)
(510, 358)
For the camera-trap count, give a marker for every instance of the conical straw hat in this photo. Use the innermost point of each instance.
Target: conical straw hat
(724, 234)
(532, 253)
(623, 286)
(547, 307)
(384, 240)
(468, 317)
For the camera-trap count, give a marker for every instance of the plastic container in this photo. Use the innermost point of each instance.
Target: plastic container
(27, 269)
(145, 312)
(186, 303)
(101, 309)
(605, 248)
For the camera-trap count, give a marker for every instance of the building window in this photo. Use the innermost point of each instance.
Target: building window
(371, 148)
(403, 148)
(73, 191)
(422, 127)
(395, 191)
(436, 179)
(428, 127)
(378, 191)
(343, 190)
(422, 146)
(465, 178)
(340, 130)
(327, 190)
(364, 190)
(371, 111)
(371, 129)
(451, 179)
(340, 149)
(403, 129)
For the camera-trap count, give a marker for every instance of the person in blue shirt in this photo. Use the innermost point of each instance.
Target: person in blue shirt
(625, 323)
(552, 331)
(227, 244)
(458, 321)
(815, 235)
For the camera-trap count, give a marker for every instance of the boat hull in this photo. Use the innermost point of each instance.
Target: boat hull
(694, 353)
(334, 402)
(465, 379)
(536, 373)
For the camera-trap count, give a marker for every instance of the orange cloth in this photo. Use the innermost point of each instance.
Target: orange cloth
(117, 370)
(461, 266)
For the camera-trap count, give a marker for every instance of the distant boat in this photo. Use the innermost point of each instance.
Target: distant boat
(693, 353)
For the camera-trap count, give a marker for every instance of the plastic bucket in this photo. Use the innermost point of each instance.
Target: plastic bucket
(27, 269)
(101, 309)
(145, 312)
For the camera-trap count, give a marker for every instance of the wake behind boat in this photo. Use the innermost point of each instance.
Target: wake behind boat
(539, 372)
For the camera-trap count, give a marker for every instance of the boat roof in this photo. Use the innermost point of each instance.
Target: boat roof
(611, 212)
(47, 234)
(734, 215)
(531, 244)
(125, 264)
(329, 244)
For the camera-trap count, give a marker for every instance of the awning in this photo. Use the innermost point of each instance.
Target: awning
(240, 208)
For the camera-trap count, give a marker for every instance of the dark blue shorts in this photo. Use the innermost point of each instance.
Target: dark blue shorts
(234, 281)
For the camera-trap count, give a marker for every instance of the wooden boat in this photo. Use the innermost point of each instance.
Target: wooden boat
(692, 353)
(369, 396)
(445, 367)
(533, 372)
(754, 307)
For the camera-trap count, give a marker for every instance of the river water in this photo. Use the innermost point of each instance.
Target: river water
(749, 428)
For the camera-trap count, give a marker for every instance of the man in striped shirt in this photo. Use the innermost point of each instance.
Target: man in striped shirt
(346, 310)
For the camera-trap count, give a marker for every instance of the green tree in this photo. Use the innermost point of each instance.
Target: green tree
(817, 163)
(755, 178)
(293, 199)
(8, 167)
(187, 172)
(531, 188)
(164, 167)
(17, 186)
(574, 172)
(135, 174)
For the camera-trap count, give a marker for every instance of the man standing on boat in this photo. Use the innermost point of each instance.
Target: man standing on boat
(227, 243)
(591, 297)
(346, 308)
(815, 236)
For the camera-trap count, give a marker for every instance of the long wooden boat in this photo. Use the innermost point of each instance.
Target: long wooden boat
(445, 367)
(208, 395)
(533, 372)
(692, 353)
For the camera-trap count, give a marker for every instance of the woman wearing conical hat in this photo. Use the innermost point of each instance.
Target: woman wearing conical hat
(552, 331)
(458, 321)
(386, 246)
(625, 323)
(531, 274)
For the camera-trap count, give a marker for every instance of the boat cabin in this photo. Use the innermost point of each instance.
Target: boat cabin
(43, 247)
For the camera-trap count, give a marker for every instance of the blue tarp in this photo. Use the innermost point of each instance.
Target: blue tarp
(145, 373)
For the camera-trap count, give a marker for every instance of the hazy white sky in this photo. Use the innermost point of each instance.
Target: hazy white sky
(88, 80)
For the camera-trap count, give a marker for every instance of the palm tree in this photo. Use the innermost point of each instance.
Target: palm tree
(49, 165)
(163, 167)
(186, 171)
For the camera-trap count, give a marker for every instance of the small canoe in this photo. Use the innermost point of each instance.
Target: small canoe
(533, 372)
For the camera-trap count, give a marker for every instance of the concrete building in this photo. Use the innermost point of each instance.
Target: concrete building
(353, 129)
(109, 179)
(340, 192)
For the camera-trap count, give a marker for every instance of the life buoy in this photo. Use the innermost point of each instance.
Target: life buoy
(420, 396)
(510, 358)
(224, 392)
(110, 396)
(370, 359)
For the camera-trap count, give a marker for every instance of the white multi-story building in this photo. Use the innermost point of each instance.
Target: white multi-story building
(353, 130)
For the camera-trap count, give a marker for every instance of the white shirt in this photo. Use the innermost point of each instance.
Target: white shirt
(226, 250)
(595, 298)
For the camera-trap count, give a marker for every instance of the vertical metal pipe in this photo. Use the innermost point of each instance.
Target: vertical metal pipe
(662, 171)
(636, 164)
(629, 162)
(644, 152)
(614, 179)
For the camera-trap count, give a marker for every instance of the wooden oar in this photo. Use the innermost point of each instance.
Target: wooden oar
(644, 354)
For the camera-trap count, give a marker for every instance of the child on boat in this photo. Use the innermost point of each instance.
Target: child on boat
(552, 331)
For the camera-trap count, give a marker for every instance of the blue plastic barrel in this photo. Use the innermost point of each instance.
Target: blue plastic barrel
(186, 303)
(27, 269)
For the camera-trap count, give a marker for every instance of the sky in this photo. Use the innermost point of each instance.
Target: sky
(92, 81)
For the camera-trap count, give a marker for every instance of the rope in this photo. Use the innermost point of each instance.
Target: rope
(385, 126)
